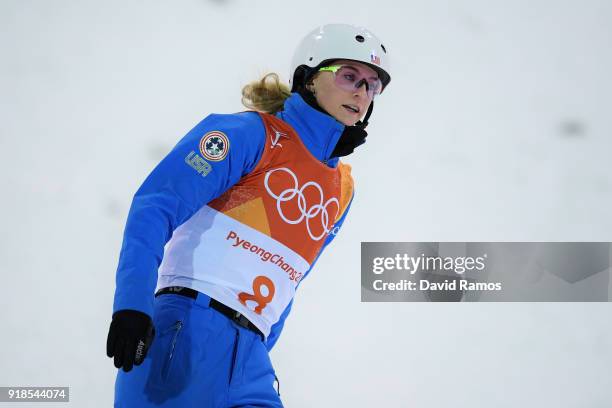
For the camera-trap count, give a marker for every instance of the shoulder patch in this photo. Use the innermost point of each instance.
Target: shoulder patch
(214, 145)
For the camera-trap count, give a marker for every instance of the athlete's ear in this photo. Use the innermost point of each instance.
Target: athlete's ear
(310, 86)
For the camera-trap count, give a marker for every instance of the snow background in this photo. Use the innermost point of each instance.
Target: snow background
(496, 127)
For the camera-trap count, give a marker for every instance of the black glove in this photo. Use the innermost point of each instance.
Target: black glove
(129, 338)
(351, 137)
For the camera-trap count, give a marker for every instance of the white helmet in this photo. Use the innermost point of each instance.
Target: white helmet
(340, 41)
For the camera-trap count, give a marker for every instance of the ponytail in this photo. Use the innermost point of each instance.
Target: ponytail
(266, 95)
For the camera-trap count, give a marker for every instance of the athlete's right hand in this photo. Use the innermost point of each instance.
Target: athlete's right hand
(129, 338)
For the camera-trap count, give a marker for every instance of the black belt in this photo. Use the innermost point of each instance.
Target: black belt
(230, 313)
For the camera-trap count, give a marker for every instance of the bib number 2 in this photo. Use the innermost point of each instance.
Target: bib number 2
(257, 296)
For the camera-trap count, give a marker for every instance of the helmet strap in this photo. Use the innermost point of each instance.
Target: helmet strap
(353, 136)
(364, 123)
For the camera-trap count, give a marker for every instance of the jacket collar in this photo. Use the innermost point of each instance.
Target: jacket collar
(318, 131)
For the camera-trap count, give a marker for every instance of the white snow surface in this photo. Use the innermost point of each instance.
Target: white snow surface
(496, 127)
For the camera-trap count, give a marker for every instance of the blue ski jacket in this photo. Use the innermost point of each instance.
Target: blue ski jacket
(181, 184)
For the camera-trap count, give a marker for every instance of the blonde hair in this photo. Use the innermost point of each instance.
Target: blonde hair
(266, 95)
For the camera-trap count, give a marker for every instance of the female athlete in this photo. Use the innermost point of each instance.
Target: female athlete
(226, 227)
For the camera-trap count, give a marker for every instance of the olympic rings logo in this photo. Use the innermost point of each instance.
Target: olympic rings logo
(320, 209)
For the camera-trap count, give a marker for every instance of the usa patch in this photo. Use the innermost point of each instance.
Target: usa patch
(214, 145)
